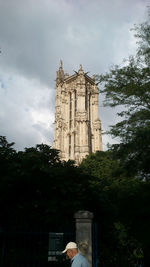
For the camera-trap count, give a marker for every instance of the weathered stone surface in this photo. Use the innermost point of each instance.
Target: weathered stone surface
(84, 233)
(77, 125)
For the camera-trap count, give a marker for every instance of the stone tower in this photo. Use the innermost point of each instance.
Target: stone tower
(77, 126)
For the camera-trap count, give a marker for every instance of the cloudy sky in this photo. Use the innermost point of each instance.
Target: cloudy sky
(35, 35)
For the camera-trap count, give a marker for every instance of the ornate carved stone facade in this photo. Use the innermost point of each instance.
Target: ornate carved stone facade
(77, 125)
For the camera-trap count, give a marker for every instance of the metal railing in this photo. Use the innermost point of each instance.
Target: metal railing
(33, 249)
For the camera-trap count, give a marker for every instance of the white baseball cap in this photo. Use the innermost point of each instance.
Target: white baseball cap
(70, 245)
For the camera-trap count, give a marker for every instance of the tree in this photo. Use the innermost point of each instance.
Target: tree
(115, 200)
(128, 86)
(38, 189)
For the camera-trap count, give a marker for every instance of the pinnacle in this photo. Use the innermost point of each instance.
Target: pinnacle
(61, 64)
(80, 69)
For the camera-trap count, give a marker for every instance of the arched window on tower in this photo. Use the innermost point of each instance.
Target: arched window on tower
(89, 106)
(69, 146)
(86, 99)
(70, 111)
(75, 107)
(75, 102)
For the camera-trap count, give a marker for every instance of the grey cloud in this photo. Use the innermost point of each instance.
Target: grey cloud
(35, 35)
(24, 104)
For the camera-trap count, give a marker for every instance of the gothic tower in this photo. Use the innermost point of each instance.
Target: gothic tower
(77, 125)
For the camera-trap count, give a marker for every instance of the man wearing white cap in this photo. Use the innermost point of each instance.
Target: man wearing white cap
(77, 260)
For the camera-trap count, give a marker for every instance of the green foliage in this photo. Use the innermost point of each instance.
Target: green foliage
(119, 205)
(100, 164)
(37, 190)
(128, 192)
(128, 86)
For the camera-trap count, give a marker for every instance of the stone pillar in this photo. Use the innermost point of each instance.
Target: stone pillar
(84, 233)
